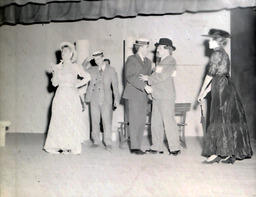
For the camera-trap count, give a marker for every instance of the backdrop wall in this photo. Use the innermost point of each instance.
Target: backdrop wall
(26, 52)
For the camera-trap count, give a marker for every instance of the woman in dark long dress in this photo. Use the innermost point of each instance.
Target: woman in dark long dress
(227, 137)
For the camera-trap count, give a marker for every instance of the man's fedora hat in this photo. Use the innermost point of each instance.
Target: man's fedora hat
(166, 42)
(215, 33)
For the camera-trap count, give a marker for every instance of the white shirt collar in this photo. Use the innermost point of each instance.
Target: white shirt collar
(103, 66)
(141, 57)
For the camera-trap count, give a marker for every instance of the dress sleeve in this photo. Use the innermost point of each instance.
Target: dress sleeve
(55, 74)
(85, 75)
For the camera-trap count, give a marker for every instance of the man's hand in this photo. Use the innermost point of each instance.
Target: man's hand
(159, 69)
(143, 77)
(148, 89)
(115, 104)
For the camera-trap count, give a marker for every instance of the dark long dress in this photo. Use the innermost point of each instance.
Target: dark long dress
(227, 134)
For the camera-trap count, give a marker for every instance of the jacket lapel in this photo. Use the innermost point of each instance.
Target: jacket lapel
(139, 59)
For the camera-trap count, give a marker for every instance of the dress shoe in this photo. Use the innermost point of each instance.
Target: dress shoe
(174, 153)
(229, 160)
(137, 152)
(108, 147)
(60, 151)
(151, 151)
(154, 151)
(215, 160)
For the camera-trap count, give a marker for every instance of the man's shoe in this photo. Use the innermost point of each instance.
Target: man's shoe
(108, 147)
(154, 151)
(151, 151)
(174, 153)
(137, 152)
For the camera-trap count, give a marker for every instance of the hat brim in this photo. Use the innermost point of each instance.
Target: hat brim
(157, 44)
(209, 36)
(214, 36)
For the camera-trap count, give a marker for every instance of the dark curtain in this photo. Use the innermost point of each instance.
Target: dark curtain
(45, 11)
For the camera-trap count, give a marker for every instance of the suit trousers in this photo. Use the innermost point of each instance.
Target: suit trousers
(103, 111)
(163, 122)
(137, 120)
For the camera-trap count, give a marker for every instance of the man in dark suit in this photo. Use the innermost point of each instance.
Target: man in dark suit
(135, 94)
(99, 95)
(162, 89)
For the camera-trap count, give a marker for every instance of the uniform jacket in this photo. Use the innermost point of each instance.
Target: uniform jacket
(109, 78)
(134, 66)
(161, 79)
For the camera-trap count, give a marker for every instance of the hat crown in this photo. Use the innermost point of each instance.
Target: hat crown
(219, 33)
(166, 42)
(142, 41)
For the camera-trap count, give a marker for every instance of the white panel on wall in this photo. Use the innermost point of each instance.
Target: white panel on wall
(27, 51)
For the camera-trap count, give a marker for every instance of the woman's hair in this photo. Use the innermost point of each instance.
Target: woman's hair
(74, 56)
(221, 40)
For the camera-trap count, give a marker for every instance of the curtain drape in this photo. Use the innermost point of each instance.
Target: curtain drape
(45, 11)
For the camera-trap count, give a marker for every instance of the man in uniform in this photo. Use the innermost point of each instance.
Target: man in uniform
(135, 93)
(99, 95)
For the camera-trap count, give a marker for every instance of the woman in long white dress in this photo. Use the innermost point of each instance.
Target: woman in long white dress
(68, 128)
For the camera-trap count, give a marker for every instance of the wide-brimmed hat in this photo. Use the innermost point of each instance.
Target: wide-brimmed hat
(67, 44)
(215, 33)
(141, 41)
(166, 42)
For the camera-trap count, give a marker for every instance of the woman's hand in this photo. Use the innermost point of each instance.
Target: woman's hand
(143, 77)
(200, 97)
(148, 89)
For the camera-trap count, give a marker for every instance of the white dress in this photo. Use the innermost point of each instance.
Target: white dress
(68, 127)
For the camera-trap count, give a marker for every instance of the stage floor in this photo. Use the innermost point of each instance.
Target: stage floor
(27, 171)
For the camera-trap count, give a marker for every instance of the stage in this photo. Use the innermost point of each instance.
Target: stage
(28, 171)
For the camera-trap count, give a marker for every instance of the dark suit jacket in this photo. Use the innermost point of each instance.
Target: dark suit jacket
(109, 78)
(162, 83)
(134, 66)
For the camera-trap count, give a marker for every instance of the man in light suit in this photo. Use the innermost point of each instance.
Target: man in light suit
(135, 93)
(99, 95)
(162, 89)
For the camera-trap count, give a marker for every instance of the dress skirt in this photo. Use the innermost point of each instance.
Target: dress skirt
(68, 127)
(227, 134)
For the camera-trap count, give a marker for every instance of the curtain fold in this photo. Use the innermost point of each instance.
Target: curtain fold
(45, 11)
(23, 2)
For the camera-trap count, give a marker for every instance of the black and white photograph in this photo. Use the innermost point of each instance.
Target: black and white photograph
(127, 98)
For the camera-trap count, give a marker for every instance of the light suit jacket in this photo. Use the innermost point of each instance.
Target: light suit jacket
(161, 79)
(109, 78)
